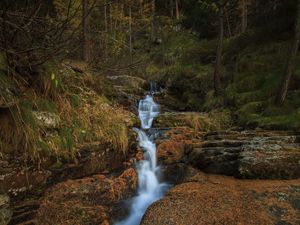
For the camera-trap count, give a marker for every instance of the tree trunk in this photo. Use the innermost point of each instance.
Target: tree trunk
(228, 24)
(130, 34)
(291, 62)
(217, 72)
(244, 15)
(110, 18)
(153, 19)
(177, 9)
(105, 15)
(85, 30)
(171, 8)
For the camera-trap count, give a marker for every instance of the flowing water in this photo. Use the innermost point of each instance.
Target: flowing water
(150, 188)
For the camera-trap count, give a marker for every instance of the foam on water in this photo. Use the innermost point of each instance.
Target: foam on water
(148, 110)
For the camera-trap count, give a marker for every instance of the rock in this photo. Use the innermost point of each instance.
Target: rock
(128, 81)
(24, 212)
(214, 199)
(19, 181)
(94, 158)
(129, 89)
(5, 211)
(47, 119)
(92, 200)
(171, 153)
(248, 154)
(157, 41)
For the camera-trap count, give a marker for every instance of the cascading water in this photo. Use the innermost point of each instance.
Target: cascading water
(150, 188)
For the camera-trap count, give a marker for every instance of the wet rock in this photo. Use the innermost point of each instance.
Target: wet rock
(214, 199)
(92, 200)
(5, 210)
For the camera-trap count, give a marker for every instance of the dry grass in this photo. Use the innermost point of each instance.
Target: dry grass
(200, 122)
(208, 122)
(102, 122)
(86, 117)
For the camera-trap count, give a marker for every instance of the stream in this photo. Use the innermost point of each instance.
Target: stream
(150, 187)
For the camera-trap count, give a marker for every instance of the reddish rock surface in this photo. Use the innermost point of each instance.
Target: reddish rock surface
(171, 153)
(93, 200)
(215, 199)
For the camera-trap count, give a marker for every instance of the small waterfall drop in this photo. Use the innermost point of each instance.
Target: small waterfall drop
(150, 188)
(148, 110)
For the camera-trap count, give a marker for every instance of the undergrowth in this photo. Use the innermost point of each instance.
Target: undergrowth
(57, 113)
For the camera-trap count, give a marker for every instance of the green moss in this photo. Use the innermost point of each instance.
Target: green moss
(75, 100)
(66, 140)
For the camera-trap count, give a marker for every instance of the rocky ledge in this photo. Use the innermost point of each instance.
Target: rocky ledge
(243, 154)
(92, 200)
(216, 199)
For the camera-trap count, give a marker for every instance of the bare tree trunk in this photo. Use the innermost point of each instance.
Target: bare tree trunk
(171, 8)
(105, 28)
(244, 15)
(85, 30)
(177, 9)
(130, 34)
(291, 62)
(153, 19)
(105, 15)
(217, 72)
(110, 18)
(228, 24)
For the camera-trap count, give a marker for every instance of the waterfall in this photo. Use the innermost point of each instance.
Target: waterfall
(150, 188)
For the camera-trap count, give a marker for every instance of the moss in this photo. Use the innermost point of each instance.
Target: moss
(75, 100)
(67, 141)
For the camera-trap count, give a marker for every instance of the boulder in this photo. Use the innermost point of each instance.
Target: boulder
(214, 199)
(92, 200)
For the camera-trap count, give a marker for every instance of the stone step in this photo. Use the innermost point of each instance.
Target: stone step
(21, 218)
(24, 213)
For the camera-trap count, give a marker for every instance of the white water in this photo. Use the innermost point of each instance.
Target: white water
(150, 189)
(148, 110)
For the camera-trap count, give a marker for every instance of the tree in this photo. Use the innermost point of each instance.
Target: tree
(244, 6)
(291, 61)
(177, 9)
(153, 19)
(218, 63)
(85, 35)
